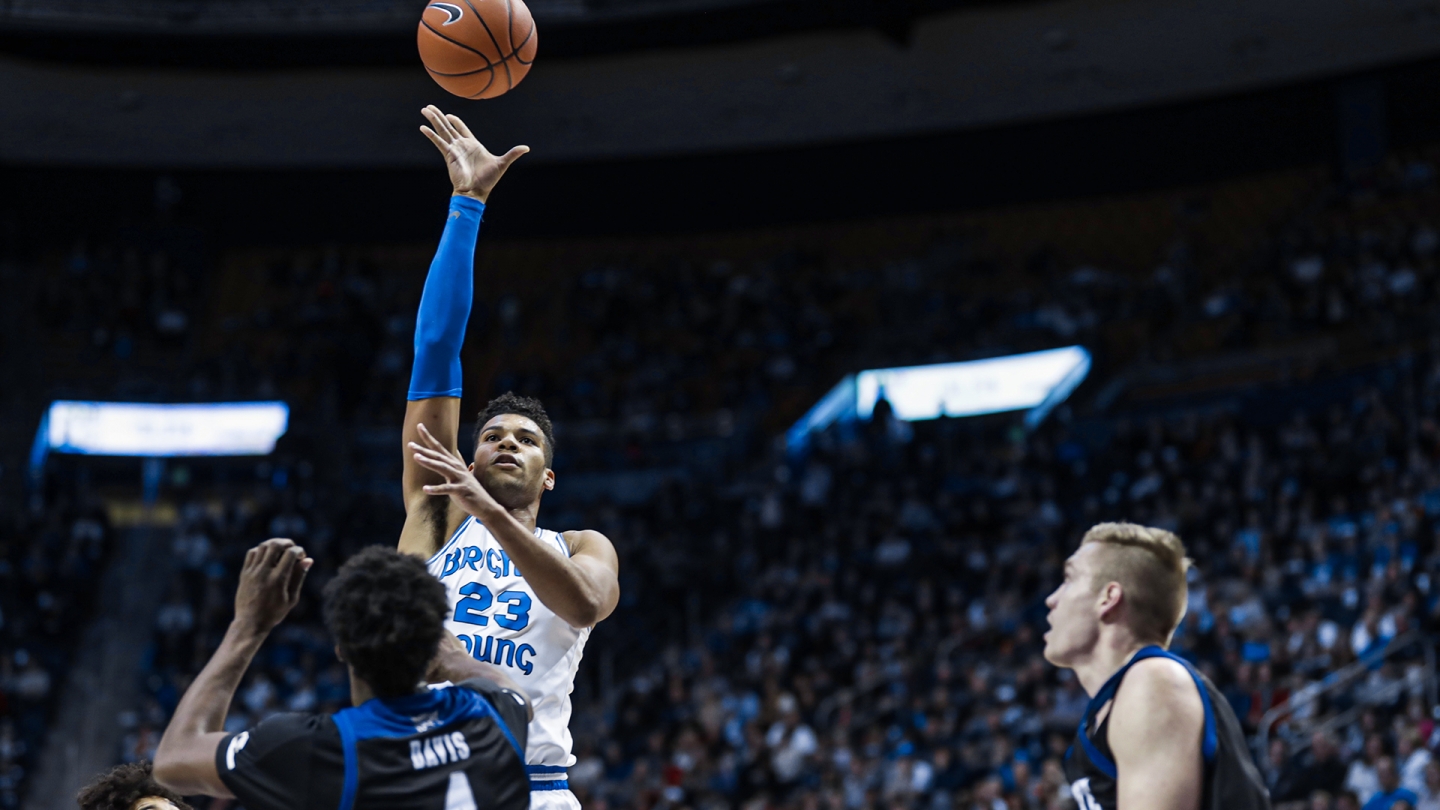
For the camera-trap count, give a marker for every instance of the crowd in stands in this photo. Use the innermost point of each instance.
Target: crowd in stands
(50, 562)
(861, 627)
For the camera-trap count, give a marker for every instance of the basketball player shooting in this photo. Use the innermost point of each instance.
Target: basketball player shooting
(476, 522)
(1157, 734)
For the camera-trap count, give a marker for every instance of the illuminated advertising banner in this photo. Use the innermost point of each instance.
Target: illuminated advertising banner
(1034, 382)
(1013, 383)
(142, 429)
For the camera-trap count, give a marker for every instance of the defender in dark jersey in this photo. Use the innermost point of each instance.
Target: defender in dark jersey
(403, 746)
(1157, 734)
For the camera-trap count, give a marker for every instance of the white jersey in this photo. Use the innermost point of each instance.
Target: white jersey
(499, 619)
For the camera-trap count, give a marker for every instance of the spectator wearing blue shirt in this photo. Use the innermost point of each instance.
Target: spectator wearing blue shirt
(1391, 793)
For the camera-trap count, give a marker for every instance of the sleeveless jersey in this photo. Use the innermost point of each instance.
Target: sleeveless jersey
(1231, 781)
(457, 748)
(500, 620)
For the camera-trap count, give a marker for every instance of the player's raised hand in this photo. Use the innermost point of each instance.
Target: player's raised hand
(270, 582)
(460, 485)
(473, 170)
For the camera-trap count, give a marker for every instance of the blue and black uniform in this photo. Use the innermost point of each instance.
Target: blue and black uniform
(456, 748)
(1231, 781)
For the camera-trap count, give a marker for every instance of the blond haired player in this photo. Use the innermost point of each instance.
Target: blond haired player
(1157, 734)
(521, 599)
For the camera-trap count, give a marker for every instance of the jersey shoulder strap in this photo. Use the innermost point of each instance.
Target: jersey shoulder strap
(397, 717)
(1209, 744)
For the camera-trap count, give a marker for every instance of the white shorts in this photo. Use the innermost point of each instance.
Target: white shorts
(553, 800)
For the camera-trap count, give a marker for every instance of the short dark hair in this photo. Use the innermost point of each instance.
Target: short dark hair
(122, 786)
(528, 407)
(387, 615)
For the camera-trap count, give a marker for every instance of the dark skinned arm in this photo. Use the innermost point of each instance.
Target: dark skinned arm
(270, 583)
(474, 171)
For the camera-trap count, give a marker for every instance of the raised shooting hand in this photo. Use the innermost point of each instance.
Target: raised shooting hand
(473, 170)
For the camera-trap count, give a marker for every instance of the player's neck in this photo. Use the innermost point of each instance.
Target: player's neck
(1112, 651)
(360, 691)
(528, 515)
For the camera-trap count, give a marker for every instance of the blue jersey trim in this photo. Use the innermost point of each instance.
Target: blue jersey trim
(552, 784)
(352, 767)
(539, 535)
(534, 769)
(451, 541)
(390, 717)
(1098, 759)
(1210, 743)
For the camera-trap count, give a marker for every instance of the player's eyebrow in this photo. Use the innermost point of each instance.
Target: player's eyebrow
(524, 430)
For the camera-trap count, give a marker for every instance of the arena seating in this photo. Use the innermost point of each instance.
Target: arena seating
(859, 628)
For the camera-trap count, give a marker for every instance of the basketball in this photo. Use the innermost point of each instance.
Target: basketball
(477, 48)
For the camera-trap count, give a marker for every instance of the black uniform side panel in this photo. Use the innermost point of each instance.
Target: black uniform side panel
(1231, 780)
(440, 751)
(289, 761)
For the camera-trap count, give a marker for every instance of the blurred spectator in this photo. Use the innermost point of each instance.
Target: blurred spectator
(1324, 770)
(1364, 776)
(1390, 794)
(1430, 793)
(1413, 760)
(1282, 773)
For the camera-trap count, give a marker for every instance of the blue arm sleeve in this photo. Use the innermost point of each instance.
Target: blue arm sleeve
(445, 304)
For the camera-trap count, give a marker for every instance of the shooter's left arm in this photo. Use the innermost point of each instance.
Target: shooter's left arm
(583, 588)
(1156, 727)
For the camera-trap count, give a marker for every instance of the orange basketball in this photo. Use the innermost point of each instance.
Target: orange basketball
(477, 48)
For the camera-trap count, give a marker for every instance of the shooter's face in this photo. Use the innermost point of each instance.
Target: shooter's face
(1074, 610)
(510, 460)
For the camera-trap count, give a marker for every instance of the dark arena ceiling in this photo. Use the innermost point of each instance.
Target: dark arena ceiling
(268, 34)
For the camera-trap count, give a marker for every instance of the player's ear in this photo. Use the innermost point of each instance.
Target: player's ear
(1110, 597)
(338, 655)
(549, 479)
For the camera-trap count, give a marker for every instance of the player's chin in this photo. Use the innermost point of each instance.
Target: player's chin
(510, 487)
(1053, 652)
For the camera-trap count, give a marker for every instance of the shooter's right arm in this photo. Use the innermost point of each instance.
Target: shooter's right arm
(434, 398)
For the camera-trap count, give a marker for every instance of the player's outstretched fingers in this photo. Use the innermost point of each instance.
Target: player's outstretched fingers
(459, 126)
(442, 124)
(443, 465)
(429, 446)
(429, 439)
(435, 139)
(437, 121)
